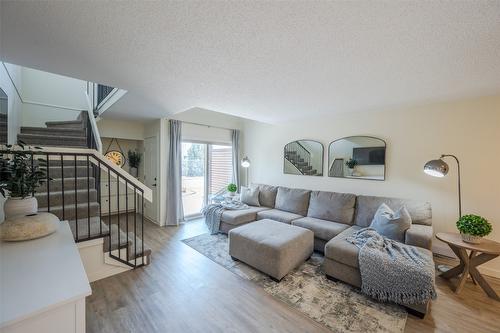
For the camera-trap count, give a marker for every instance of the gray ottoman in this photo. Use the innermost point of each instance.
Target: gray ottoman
(272, 247)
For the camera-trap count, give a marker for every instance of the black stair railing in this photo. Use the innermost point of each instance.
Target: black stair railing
(298, 155)
(73, 192)
(102, 92)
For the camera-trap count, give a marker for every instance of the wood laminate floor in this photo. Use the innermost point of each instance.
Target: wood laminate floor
(183, 291)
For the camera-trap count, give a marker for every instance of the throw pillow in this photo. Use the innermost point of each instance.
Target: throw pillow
(391, 224)
(250, 196)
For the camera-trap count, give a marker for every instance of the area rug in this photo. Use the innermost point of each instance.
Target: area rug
(336, 305)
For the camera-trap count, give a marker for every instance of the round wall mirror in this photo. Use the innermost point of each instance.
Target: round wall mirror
(303, 157)
(357, 157)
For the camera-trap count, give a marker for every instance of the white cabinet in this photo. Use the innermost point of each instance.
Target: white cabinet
(43, 285)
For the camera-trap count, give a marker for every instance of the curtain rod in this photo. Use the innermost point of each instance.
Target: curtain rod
(192, 123)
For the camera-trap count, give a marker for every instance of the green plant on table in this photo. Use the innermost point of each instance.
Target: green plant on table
(20, 173)
(232, 188)
(474, 225)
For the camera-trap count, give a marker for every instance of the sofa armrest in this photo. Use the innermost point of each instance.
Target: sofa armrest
(419, 235)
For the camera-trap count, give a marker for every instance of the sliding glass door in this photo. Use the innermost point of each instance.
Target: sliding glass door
(206, 171)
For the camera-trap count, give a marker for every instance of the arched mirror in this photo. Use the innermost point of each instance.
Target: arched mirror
(3, 117)
(303, 157)
(357, 157)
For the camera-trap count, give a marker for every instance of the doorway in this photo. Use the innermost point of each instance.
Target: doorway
(151, 177)
(206, 171)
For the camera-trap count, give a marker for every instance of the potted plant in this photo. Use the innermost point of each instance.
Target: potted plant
(232, 188)
(351, 163)
(19, 178)
(473, 228)
(134, 159)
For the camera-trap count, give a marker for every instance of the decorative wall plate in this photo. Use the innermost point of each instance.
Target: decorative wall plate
(116, 157)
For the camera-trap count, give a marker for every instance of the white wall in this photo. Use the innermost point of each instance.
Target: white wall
(48, 88)
(45, 96)
(114, 128)
(470, 129)
(51, 89)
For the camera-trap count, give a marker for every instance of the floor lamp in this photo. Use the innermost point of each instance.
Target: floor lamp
(245, 163)
(439, 168)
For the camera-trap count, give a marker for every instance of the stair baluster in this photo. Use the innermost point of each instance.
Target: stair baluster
(56, 195)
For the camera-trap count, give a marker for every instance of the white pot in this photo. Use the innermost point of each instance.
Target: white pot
(231, 194)
(20, 207)
(471, 239)
(134, 172)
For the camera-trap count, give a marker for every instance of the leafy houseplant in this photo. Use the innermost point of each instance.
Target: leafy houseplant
(351, 163)
(134, 160)
(232, 188)
(20, 176)
(473, 227)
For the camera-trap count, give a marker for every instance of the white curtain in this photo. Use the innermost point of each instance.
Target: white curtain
(235, 135)
(175, 213)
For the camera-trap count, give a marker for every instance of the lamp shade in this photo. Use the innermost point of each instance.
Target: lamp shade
(436, 168)
(245, 162)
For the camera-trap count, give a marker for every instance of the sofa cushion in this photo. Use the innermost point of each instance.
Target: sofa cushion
(366, 206)
(339, 249)
(332, 206)
(250, 196)
(267, 194)
(241, 216)
(278, 215)
(391, 224)
(322, 229)
(292, 200)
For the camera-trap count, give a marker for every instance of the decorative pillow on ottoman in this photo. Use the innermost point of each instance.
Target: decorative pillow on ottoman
(392, 224)
(250, 196)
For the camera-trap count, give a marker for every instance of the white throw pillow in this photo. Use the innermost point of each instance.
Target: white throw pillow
(392, 224)
(250, 196)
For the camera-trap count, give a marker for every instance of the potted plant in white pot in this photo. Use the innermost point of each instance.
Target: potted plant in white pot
(232, 188)
(134, 160)
(19, 179)
(351, 164)
(473, 228)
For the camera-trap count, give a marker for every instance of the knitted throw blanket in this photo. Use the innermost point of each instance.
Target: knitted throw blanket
(393, 271)
(213, 213)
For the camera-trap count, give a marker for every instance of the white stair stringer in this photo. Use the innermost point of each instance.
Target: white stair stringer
(98, 264)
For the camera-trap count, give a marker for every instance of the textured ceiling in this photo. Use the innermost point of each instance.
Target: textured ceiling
(269, 61)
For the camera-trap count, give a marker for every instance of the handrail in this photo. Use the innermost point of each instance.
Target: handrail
(93, 124)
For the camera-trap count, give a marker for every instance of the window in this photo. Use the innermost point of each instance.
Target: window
(206, 170)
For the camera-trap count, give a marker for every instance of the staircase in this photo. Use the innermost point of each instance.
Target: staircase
(3, 128)
(300, 158)
(68, 134)
(74, 192)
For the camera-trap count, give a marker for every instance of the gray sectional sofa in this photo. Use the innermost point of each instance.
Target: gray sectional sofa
(332, 217)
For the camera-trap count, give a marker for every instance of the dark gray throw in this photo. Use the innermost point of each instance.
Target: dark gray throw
(393, 271)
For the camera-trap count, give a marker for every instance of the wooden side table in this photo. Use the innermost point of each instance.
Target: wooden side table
(487, 250)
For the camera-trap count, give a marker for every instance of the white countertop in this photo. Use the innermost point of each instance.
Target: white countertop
(39, 275)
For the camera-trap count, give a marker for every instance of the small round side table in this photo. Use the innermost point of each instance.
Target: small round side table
(487, 250)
